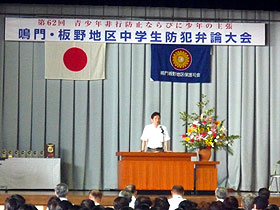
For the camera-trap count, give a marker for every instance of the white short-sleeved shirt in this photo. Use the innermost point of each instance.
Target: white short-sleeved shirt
(175, 201)
(155, 136)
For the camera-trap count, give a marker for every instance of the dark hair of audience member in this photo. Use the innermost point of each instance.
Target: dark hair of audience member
(272, 207)
(11, 204)
(131, 188)
(120, 202)
(99, 207)
(142, 202)
(20, 199)
(264, 193)
(53, 202)
(231, 203)
(187, 204)
(126, 208)
(27, 207)
(260, 202)
(217, 205)
(203, 205)
(161, 203)
(75, 207)
(65, 205)
(88, 203)
(126, 194)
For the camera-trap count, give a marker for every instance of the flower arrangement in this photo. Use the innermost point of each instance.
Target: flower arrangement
(205, 131)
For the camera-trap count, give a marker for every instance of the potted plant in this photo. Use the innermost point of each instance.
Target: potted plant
(205, 131)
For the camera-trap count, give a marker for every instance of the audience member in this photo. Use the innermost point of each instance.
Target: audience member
(187, 205)
(88, 204)
(52, 203)
(120, 202)
(231, 203)
(95, 196)
(131, 188)
(161, 203)
(142, 203)
(272, 207)
(27, 207)
(11, 204)
(177, 193)
(126, 194)
(264, 193)
(220, 193)
(247, 201)
(20, 199)
(260, 203)
(217, 205)
(61, 191)
(65, 205)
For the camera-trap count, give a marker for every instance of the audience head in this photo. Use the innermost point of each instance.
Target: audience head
(126, 194)
(65, 205)
(272, 207)
(131, 188)
(143, 202)
(231, 203)
(187, 204)
(27, 207)
(221, 193)
(177, 190)
(88, 204)
(260, 203)
(53, 202)
(95, 196)
(161, 203)
(20, 199)
(61, 190)
(120, 202)
(247, 201)
(217, 205)
(264, 193)
(11, 204)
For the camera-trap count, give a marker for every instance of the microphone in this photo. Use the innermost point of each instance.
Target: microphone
(162, 131)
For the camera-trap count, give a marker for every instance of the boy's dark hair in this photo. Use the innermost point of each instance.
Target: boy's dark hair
(155, 114)
(261, 203)
(120, 202)
(179, 189)
(88, 204)
(264, 193)
(161, 203)
(231, 202)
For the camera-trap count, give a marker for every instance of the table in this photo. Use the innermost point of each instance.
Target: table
(30, 173)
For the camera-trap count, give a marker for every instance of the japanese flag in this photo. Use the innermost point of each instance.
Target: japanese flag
(75, 60)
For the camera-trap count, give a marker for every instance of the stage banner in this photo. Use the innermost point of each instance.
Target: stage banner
(75, 61)
(181, 63)
(134, 31)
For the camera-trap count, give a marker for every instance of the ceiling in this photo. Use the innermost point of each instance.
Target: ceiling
(272, 5)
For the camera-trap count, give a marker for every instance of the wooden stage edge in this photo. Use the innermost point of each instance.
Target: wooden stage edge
(41, 198)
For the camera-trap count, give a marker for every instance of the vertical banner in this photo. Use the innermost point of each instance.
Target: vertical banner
(181, 63)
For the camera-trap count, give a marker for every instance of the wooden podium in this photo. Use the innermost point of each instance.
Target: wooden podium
(156, 171)
(162, 170)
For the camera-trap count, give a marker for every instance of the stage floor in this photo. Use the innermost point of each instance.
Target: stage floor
(41, 197)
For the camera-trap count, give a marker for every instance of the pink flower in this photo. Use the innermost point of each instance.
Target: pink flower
(183, 136)
(214, 135)
(192, 140)
(208, 147)
(204, 122)
(199, 137)
(203, 134)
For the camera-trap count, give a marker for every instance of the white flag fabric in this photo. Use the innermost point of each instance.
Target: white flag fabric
(75, 60)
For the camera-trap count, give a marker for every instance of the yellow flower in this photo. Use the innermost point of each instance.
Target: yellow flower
(190, 130)
(187, 138)
(217, 123)
(201, 130)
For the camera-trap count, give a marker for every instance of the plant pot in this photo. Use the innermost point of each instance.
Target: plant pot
(204, 154)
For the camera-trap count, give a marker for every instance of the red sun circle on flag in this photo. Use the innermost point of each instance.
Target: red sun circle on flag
(180, 59)
(75, 59)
